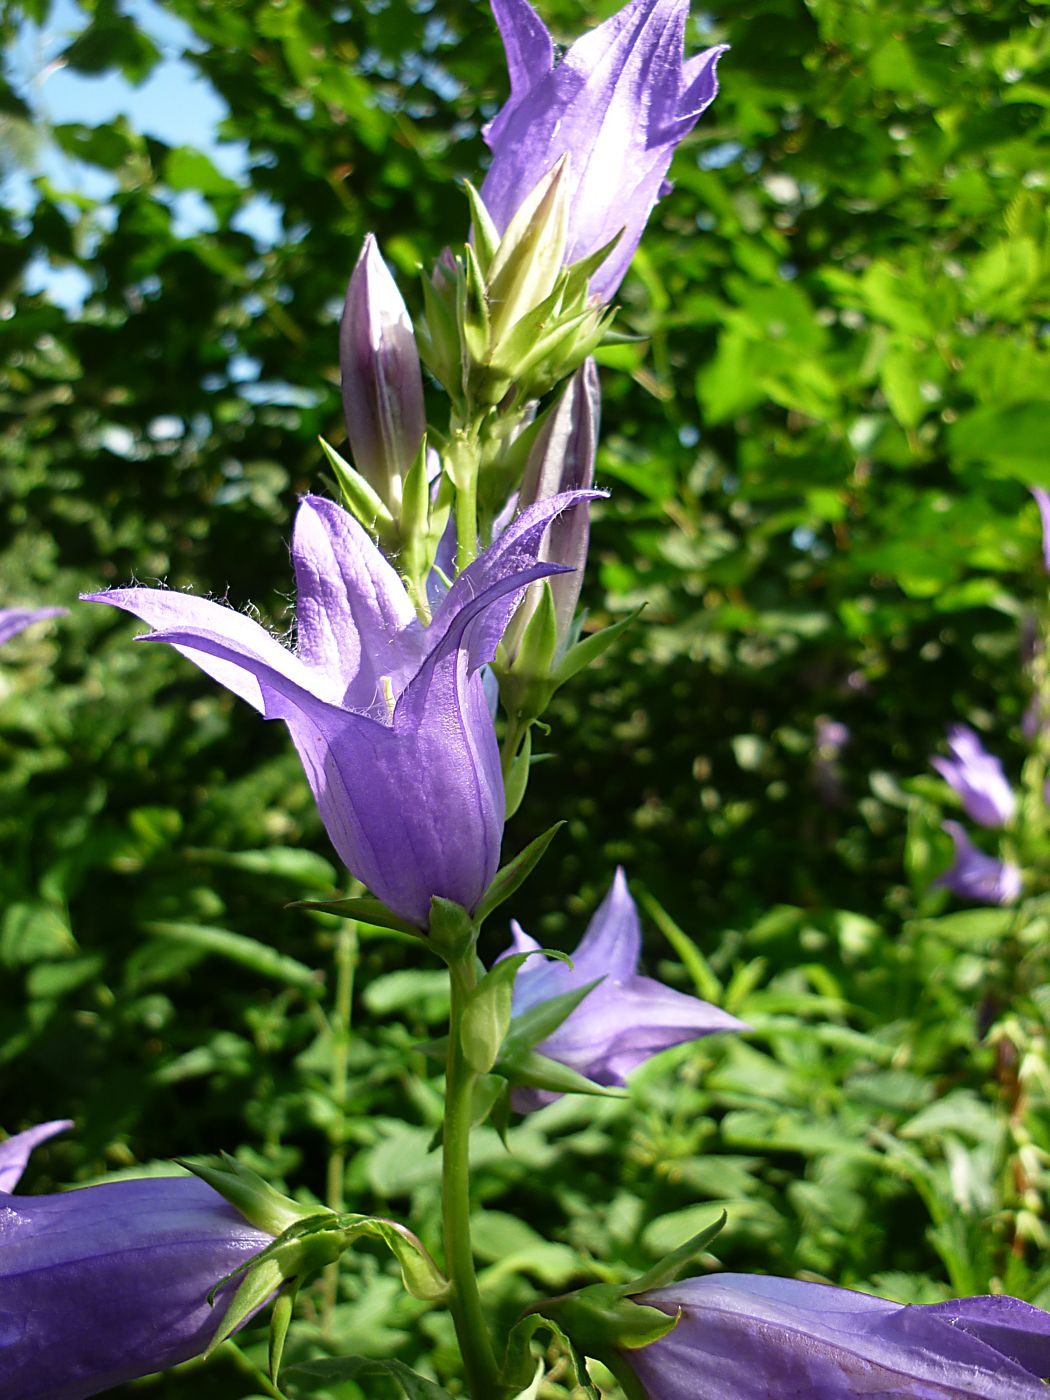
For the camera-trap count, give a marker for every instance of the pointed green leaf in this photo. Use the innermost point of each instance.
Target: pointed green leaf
(280, 1318)
(486, 1014)
(361, 499)
(352, 1368)
(365, 909)
(517, 870)
(590, 648)
(484, 233)
(667, 1269)
(519, 1363)
(530, 1070)
(517, 779)
(543, 1019)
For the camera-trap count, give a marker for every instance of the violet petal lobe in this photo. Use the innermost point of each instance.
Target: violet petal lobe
(741, 1336)
(976, 876)
(107, 1283)
(15, 620)
(978, 777)
(619, 101)
(389, 719)
(626, 1018)
(15, 1151)
(1042, 500)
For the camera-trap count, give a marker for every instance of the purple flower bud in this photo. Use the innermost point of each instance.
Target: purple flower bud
(389, 718)
(977, 876)
(619, 101)
(741, 1337)
(381, 377)
(15, 620)
(562, 459)
(626, 1019)
(977, 777)
(110, 1282)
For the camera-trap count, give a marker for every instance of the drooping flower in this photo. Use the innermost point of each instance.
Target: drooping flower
(977, 777)
(389, 718)
(618, 101)
(15, 620)
(381, 378)
(626, 1018)
(977, 876)
(742, 1337)
(107, 1283)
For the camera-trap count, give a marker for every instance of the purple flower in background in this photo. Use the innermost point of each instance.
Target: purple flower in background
(381, 378)
(1042, 500)
(618, 101)
(742, 1337)
(977, 876)
(389, 718)
(15, 620)
(106, 1283)
(977, 777)
(626, 1018)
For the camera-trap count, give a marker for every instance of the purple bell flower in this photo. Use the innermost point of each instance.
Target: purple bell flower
(626, 1019)
(15, 620)
(107, 1283)
(618, 101)
(982, 878)
(742, 1337)
(977, 777)
(389, 718)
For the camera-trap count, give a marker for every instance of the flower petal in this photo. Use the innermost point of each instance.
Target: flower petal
(15, 620)
(355, 622)
(15, 1151)
(530, 56)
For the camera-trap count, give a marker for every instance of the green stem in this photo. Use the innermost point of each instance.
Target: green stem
(345, 967)
(479, 1359)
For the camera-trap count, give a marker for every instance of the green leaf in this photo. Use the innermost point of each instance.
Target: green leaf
(517, 870)
(411, 1385)
(667, 1269)
(530, 1070)
(364, 909)
(188, 169)
(543, 1019)
(239, 948)
(591, 647)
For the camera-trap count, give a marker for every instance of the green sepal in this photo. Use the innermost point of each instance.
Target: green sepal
(364, 909)
(260, 1204)
(280, 1319)
(601, 1320)
(519, 1363)
(667, 1269)
(487, 1010)
(421, 1276)
(516, 871)
(484, 233)
(438, 339)
(475, 326)
(590, 648)
(539, 644)
(528, 1069)
(528, 263)
(579, 274)
(362, 500)
(517, 779)
(543, 1019)
(415, 522)
(452, 932)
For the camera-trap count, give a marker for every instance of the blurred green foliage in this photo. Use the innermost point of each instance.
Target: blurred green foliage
(817, 461)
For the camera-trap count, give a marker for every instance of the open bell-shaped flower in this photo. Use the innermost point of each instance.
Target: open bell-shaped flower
(389, 717)
(977, 776)
(741, 1337)
(618, 101)
(977, 876)
(626, 1018)
(107, 1283)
